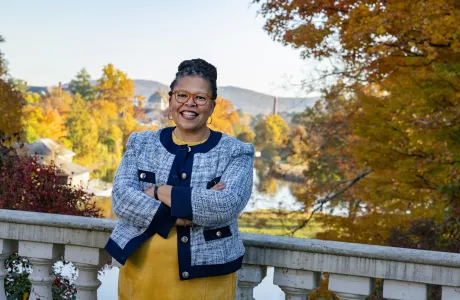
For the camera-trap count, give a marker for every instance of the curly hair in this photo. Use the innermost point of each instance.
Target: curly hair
(197, 67)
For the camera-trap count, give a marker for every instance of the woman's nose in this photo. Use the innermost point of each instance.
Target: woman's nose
(190, 101)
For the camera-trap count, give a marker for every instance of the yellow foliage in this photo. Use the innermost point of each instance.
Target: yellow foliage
(224, 116)
(272, 131)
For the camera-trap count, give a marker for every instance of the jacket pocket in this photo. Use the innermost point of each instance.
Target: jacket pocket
(146, 178)
(213, 182)
(218, 233)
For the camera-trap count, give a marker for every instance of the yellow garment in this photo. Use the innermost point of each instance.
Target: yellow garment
(152, 272)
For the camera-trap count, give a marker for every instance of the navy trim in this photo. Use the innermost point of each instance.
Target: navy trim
(212, 234)
(185, 258)
(162, 221)
(167, 141)
(213, 182)
(181, 202)
(149, 176)
(121, 255)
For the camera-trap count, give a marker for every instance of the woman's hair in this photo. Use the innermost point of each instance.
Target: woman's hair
(197, 67)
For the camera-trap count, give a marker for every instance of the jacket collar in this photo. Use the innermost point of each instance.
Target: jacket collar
(167, 142)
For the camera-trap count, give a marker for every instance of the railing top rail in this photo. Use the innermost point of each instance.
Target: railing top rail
(355, 250)
(56, 220)
(254, 240)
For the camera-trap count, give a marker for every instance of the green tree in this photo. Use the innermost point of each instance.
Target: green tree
(82, 131)
(81, 85)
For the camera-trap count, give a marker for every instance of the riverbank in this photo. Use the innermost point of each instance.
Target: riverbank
(288, 172)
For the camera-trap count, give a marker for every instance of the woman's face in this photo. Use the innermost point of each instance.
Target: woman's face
(189, 116)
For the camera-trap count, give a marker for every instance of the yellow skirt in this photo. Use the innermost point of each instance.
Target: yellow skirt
(151, 273)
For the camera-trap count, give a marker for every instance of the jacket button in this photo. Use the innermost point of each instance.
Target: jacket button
(219, 234)
(184, 239)
(189, 149)
(185, 274)
(142, 175)
(183, 176)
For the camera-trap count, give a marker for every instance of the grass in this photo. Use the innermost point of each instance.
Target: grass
(281, 223)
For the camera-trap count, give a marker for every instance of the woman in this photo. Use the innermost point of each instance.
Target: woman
(177, 194)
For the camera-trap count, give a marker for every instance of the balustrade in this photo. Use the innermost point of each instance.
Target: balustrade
(298, 263)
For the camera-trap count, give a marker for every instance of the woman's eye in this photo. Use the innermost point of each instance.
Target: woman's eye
(198, 97)
(181, 95)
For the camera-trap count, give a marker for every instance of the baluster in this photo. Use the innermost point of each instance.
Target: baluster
(296, 284)
(450, 293)
(402, 290)
(6, 248)
(88, 262)
(42, 256)
(348, 287)
(249, 276)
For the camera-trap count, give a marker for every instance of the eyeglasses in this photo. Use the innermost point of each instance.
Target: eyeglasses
(198, 98)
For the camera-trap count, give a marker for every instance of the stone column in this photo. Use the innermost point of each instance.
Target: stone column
(6, 249)
(296, 284)
(42, 256)
(450, 293)
(348, 287)
(402, 290)
(248, 277)
(88, 262)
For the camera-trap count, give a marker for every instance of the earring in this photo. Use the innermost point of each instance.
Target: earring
(168, 116)
(210, 122)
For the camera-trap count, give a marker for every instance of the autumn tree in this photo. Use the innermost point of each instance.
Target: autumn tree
(271, 131)
(41, 119)
(224, 117)
(393, 144)
(246, 136)
(11, 101)
(115, 86)
(81, 85)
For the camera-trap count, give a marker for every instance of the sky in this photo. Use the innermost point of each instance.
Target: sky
(50, 41)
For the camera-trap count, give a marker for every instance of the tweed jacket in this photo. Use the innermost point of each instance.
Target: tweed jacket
(212, 246)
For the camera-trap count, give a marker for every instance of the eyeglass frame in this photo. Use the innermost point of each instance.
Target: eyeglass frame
(192, 95)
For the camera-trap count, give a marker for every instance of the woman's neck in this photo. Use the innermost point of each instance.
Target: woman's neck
(191, 136)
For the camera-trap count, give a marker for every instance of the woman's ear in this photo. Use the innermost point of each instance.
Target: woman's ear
(213, 106)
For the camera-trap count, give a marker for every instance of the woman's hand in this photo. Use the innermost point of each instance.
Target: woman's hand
(219, 186)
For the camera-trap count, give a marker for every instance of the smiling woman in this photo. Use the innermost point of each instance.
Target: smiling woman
(177, 195)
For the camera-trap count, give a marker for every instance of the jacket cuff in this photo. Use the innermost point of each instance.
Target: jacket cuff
(162, 222)
(181, 202)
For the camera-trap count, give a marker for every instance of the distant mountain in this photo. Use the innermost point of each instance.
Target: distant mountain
(255, 103)
(249, 101)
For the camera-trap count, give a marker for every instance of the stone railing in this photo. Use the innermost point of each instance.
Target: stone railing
(298, 263)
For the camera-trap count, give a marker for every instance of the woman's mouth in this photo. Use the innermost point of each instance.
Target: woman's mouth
(189, 115)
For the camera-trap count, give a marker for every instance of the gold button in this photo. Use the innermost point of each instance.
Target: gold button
(185, 274)
(142, 175)
(183, 175)
(184, 239)
(219, 234)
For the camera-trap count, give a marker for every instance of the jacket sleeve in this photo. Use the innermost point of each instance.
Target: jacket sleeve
(131, 204)
(212, 208)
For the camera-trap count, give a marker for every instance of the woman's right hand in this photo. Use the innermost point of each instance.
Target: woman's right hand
(183, 222)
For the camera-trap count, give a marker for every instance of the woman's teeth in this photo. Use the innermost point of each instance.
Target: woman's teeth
(189, 115)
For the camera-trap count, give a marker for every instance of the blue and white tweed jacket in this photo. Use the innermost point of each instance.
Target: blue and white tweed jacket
(212, 246)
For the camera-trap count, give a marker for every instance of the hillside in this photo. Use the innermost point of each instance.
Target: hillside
(249, 101)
